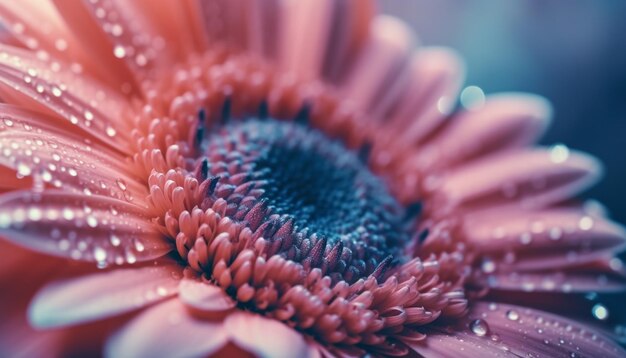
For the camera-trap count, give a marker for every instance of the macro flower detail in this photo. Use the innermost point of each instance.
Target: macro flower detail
(281, 178)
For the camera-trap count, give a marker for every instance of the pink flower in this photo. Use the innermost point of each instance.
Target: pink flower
(229, 177)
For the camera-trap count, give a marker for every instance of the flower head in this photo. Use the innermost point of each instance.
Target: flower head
(282, 179)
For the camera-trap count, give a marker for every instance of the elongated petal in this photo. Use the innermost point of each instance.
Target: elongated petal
(101, 295)
(382, 60)
(251, 332)
(505, 121)
(502, 330)
(530, 178)
(435, 81)
(167, 330)
(78, 102)
(565, 282)
(88, 228)
(63, 160)
(544, 239)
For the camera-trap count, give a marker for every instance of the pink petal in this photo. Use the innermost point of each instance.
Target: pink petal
(505, 121)
(304, 36)
(101, 295)
(434, 84)
(265, 337)
(505, 329)
(89, 228)
(79, 16)
(565, 282)
(530, 178)
(53, 158)
(80, 103)
(381, 61)
(262, 26)
(349, 33)
(543, 239)
(167, 330)
(225, 21)
(203, 297)
(34, 23)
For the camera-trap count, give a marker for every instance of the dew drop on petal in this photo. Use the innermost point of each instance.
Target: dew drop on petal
(115, 240)
(512, 315)
(559, 153)
(600, 312)
(119, 51)
(110, 131)
(99, 254)
(92, 221)
(585, 223)
(479, 327)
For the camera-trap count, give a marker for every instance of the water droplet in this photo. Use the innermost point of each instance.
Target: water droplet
(585, 223)
(23, 170)
(139, 246)
(559, 153)
(5, 220)
(472, 98)
(121, 184)
(479, 327)
(512, 315)
(555, 233)
(35, 214)
(115, 241)
(88, 115)
(92, 221)
(130, 257)
(8, 122)
(525, 238)
(68, 214)
(488, 266)
(600, 312)
(119, 51)
(56, 91)
(72, 172)
(110, 131)
(99, 254)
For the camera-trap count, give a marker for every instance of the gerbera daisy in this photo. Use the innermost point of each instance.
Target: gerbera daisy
(281, 178)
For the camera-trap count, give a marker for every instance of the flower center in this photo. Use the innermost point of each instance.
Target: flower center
(286, 221)
(317, 202)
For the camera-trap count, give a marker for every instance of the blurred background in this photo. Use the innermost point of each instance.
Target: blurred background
(571, 52)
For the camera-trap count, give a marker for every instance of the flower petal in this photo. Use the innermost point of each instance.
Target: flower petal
(530, 178)
(505, 330)
(505, 121)
(130, 45)
(88, 228)
(167, 330)
(204, 297)
(435, 81)
(565, 282)
(82, 104)
(101, 295)
(381, 62)
(543, 239)
(304, 35)
(251, 332)
(318, 37)
(63, 160)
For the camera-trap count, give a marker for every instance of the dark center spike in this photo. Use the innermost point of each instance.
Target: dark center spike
(226, 110)
(263, 111)
(365, 151)
(412, 211)
(303, 115)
